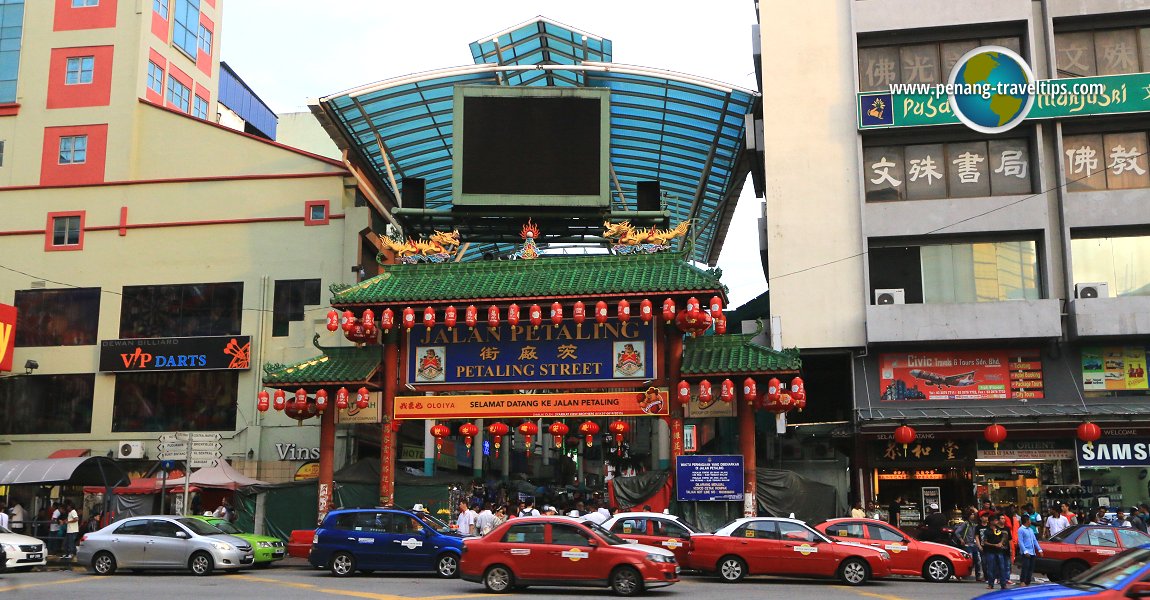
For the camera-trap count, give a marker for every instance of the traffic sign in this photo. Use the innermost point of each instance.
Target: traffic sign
(173, 437)
(206, 437)
(200, 463)
(172, 447)
(206, 446)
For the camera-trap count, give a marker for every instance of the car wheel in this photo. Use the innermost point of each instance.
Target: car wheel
(498, 579)
(937, 569)
(732, 569)
(343, 565)
(1072, 569)
(626, 581)
(854, 571)
(201, 563)
(447, 566)
(103, 563)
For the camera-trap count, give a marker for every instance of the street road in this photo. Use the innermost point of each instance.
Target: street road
(294, 581)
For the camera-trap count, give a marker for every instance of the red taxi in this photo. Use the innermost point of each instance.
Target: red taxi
(654, 529)
(560, 551)
(775, 546)
(1078, 548)
(908, 556)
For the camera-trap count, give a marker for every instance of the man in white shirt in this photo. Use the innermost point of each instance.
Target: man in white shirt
(19, 515)
(593, 515)
(3, 515)
(485, 522)
(1055, 523)
(466, 520)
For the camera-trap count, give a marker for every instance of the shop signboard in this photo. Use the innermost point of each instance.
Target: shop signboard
(1114, 368)
(176, 354)
(696, 409)
(923, 451)
(613, 351)
(652, 402)
(353, 414)
(1114, 452)
(961, 375)
(931, 495)
(1027, 450)
(7, 336)
(709, 478)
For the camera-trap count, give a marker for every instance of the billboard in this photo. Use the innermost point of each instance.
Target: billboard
(961, 375)
(176, 354)
(1114, 368)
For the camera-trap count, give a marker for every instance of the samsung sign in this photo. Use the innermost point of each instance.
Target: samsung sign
(1114, 452)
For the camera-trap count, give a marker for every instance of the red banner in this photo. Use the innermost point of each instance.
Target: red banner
(7, 336)
(962, 375)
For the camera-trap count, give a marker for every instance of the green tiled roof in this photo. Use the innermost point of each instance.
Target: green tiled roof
(735, 354)
(344, 365)
(550, 276)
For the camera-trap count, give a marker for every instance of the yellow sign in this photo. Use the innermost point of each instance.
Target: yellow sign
(806, 549)
(575, 554)
(372, 414)
(307, 471)
(651, 402)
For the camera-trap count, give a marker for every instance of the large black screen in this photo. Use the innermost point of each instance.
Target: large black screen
(540, 146)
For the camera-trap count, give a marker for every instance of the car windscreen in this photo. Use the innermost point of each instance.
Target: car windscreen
(225, 527)
(1111, 572)
(435, 523)
(1066, 535)
(607, 536)
(199, 527)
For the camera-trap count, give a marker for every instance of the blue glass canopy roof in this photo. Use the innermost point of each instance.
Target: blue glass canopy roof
(685, 132)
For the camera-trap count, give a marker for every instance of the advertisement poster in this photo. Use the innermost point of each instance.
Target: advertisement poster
(354, 414)
(709, 478)
(1114, 368)
(176, 354)
(7, 336)
(961, 375)
(652, 402)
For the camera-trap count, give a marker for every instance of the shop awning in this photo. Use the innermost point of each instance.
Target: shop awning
(221, 476)
(70, 453)
(984, 415)
(92, 470)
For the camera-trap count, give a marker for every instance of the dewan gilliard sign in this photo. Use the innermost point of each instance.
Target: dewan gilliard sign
(1114, 452)
(176, 354)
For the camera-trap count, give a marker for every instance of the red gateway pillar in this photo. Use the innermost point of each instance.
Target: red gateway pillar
(387, 433)
(747, 448)
(326, 461)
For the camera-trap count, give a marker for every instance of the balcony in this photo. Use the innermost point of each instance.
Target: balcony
(1126, 315)
(1016, 319)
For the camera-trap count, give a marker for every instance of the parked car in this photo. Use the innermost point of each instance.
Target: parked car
(1121, 576)
(20, 552)
(1078, 548)
(908, 556)
(366, 540)
(561, 551)
(777, 546)
(267, 549)
(162, 542)
(654, 529)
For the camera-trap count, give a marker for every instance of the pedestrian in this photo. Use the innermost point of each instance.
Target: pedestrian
(987, 509)
(465, 522)
(499, 516)
(1028, 549)
(593, 513)
(966, 534)
(223, 511)
(3, 514)
(874, 511)
(1120, 519)
(933, 525)
(54, 520)
(528, 509)
(1035, 518)
(72, 529)
(1070, 516)
(1136, 519)
(857, 512)
(979, 533)
(1055, 523)
(485, 521)
(996, 546)
(893, 512)
(19, 515)
(605, 511)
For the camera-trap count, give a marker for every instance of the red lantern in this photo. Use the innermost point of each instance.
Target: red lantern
(449, 316)
(721, 324)
(600, 312)
(1089, 433)
(684, 392)
(471, 316)
(750, 390)
(497, 431)
(341, 398)
(368, 320)
(468, 431)
(332, 320)
(620, 429)
(646, 310)
(624, 311)
(280, 400)
(558, 429)
(528, 429)
(773, 389)
(513, 315)
(995, 434)
(387, 319)
(362, 398)
(588, 429)
(493, 316)
(428, 317)
(579, 313)
(801, 402)
(440, 431)
(796, 385)
(321, 400)
(300, 400)
(705, 395)
(693, 309)
(668, 310)
(904, 435)
(408, 318)
(535, 315)
(347, 321)
(716, 307)
(556, 313)
(727, 390)
(264, 401)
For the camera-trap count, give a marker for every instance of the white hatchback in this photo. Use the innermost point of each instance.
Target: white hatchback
(23, 552)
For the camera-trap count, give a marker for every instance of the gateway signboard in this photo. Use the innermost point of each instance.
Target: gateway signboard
(652, 402)
(176, 354)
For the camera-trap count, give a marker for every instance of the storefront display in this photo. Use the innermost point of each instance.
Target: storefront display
(1039, 472)
(1114, 469)
(929, 469)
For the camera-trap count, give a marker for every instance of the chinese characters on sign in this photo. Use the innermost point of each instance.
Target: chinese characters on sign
(921, 450)
(1112, 161)
(957, 170)
(963, 375)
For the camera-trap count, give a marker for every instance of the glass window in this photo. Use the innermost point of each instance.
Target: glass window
(346, 521)
(1084, 163)
(767, 530)
(205, 39)
(11, 35)
(179, 94)
(46, 404)
(79, 70)
(1116, 51)
(984, 272)
(66, 231)
(156, 78)
(185, 34)
(134, 527)
(526, 533)
(181, 310)
(73, 149)
(64, 317)
(881, 66)
(84, 3)
(568, 535)
(846, 530)
(1, 153)
(168, 529)
(289, 300)
(1126, 164)
(884, 173)
(885, 534)
(403, 524)
(1132, 539)
(1074, 54)
(1122, 262)
(317, 212)
(793, 532)
(160, 7)
(630, 526)
(967, 170)
(1098, 537)
(175, 401)
(200, 108)
(669, 529)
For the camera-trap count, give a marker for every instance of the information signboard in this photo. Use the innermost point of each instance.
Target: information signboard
(709, 478)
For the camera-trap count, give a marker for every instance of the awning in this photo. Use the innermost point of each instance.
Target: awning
(70, 453)
(985, 415)
(92, 470)
(143, 485)
(222, 476)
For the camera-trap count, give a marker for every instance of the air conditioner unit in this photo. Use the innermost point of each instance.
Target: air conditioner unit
(130, 450)
(890, 296)
(1098, 289)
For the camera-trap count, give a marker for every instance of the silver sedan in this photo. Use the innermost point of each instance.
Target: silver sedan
(162, 542)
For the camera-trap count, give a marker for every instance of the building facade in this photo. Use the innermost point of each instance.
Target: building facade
(957, 279)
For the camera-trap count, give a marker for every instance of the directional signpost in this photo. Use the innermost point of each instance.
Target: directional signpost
(197, 450)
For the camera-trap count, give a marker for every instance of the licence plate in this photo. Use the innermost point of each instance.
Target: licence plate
(250, 557)
(278, 554)
(36, 556)
(677, 569)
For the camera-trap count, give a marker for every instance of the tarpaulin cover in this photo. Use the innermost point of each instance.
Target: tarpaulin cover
(652, 488)
(91, 470)
(780, 493)
(222, 476)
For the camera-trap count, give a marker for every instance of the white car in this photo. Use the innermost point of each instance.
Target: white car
(23, 552)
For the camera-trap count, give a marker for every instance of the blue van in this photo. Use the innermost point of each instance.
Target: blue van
(385, 539)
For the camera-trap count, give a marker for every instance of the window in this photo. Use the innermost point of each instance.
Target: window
(160, 7)
(958, 273)
(200, 108)
(527, 533)
(885, 534)
(181, 310)
(64, 317)
(187, 23)
(630, 526)
(46, 404)
(1112, 161)
(568, 535)
(156, 78)
(79, 70)
(1098, 537)
(954, 170)
(402, 524)
(11, 35)
(793, 532)
(765, 530)
(84, 3)
(1, 153)
(73, 149)
(1131, 538)
(1122, 262)
(66, 231)
(179, 94)
(881, 66)
(205, 39)
(1103, 52)
(317, 212)
(175, 401)
(669, 529)
(137, 527)
(289, 300)
(168, 529)
(846, 530)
